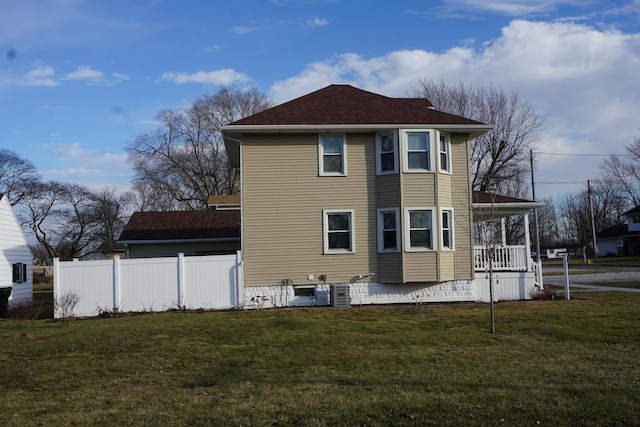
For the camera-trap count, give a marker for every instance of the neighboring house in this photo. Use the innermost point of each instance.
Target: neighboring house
(16, 259)
(621, 239)
(344, 186)
(111, 249)
(230, 202)
(163, 234)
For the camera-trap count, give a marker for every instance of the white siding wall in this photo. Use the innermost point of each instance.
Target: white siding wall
(14, 249)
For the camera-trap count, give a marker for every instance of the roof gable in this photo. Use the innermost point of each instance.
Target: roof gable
(347, 105)
(182, 225)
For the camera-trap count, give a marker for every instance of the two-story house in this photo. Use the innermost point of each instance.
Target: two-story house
(345, 186)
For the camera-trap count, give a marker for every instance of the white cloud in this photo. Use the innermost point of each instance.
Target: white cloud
(88, 75)
(45, 75)
(42, 75)
(509, 7)
(316, 22)
(85, 73)
(582, 80)
(75, 163)
(243, 29)
(218, 77)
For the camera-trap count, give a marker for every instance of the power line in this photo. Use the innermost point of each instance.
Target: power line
(581, 154)
(561, 182)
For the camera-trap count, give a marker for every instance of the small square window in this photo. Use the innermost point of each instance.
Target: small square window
(332, 155)
(338, 231)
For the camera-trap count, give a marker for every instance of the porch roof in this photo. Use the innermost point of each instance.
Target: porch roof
(490, 206)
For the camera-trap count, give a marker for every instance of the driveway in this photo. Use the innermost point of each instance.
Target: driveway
(586, 278)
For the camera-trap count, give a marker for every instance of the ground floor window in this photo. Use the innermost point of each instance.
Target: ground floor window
(338, 231)
(419, 229)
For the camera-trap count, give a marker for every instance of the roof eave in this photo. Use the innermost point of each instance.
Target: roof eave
(164, 241)
(235, 131)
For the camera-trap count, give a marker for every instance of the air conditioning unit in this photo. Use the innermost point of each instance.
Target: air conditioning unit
(339, 296)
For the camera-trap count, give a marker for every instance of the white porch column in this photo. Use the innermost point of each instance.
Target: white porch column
(503, 231)
(527, 241)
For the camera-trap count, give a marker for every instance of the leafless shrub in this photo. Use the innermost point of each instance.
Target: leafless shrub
(64, 305)
(24, 315)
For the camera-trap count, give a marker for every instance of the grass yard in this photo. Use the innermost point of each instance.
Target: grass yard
(553, 363)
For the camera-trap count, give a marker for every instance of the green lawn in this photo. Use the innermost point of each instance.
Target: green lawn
(553, 363)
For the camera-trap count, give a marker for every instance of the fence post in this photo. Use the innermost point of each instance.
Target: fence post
(116, 283)
(181, 280)
(56, 282)
(239, 276)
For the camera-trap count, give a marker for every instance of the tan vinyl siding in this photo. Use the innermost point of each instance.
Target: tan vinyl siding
(447, 266)
(282, 209)
(420, 267)
(419, 189)
(463, 221)
(389, 268)
(388, 191)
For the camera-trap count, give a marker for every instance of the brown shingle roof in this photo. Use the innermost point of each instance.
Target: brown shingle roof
(484, 197)
(347, 105)
(222, 200)
(180, 225)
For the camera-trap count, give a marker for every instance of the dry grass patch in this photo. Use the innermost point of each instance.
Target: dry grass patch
(551, 363)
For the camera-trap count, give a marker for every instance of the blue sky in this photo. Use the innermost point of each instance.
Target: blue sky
(80, 79)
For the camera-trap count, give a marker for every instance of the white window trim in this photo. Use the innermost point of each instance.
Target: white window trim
(407, 229)
(405, 150)
(448, 165)
(451, 229)
(379, 170)
(321, 171)
(325, 231)
(380, 226)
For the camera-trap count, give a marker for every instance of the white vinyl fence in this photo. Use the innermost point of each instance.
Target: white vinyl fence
(150, 284)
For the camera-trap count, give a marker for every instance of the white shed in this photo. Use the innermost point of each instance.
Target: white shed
(16, 258)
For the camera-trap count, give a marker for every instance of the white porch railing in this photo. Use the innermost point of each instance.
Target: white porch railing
(505, 258)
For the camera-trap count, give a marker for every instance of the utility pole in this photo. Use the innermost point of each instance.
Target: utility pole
(593, 224)
(535, 210)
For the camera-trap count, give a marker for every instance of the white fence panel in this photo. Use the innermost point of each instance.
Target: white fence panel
(151, 284)
(211, 283)
(91, 281)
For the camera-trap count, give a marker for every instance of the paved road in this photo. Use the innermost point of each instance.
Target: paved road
(582, 280)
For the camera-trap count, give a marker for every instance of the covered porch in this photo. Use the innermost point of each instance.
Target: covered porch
(492, 249)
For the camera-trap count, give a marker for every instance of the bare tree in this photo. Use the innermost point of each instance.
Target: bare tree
(500, 156)
(110, 212)
(66, 219)
(621, 175)
(18, 176)
(183, 162)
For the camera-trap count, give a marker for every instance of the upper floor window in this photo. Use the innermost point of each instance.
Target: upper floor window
(445, 152)
(386, 153)
(446, 227)
(419, 232)
(332, 155)
(416, 151)
(388, 235)
(338, 231)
